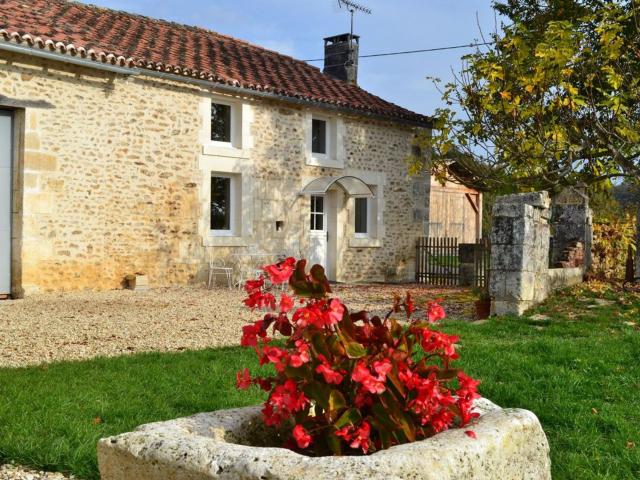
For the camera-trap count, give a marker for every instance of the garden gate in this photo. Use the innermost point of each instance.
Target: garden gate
(439, 262)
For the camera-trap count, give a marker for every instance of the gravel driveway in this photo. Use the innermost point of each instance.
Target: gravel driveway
(52, 327)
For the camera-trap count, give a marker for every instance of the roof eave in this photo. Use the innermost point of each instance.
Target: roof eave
(123, 68)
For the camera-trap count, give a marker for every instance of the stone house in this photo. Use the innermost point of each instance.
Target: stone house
(129, 144)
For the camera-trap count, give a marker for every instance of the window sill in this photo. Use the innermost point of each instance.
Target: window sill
(219, 149)
(324, 162)
(225, 241)
(356, 242)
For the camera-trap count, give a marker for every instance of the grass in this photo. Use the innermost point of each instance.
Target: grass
(574, 363)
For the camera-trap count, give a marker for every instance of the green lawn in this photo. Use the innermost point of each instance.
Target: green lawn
(577, 370)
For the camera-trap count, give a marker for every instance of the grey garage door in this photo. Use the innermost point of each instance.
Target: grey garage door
(5, 200)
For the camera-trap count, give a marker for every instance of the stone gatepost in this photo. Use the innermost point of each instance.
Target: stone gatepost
(519, 252)
(572, 223)
(466, 264)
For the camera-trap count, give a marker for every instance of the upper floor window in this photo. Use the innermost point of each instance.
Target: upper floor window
(221, 122)
(325, 141)
(319, 136)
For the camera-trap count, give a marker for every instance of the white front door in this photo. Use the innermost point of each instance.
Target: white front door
(6, 149)
(318, 231)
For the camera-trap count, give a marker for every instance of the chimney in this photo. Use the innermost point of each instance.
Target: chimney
(341, 57)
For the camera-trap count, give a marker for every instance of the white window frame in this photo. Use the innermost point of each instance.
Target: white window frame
(232, 128)
(375, 211)
(335, 152)
(241, 119)
(328, 140)
(366, 234)
(240, 169)
(235, 188)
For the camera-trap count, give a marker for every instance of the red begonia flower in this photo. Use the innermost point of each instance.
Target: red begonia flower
(286, 303)
(280, 272)
(330, 375)
(301, 436)
(243, 379)
(252, 286)
(360, 438)
(435, 312)
(335, 312)
(361, 374)
(301, 356)
(250, 334)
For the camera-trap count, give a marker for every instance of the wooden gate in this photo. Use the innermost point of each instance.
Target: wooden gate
(481, 263)
(437, 261)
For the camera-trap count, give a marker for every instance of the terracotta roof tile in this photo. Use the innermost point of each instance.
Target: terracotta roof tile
(137, 41)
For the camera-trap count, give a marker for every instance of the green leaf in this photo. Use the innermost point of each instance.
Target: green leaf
(395, 381)
(318, 343)
(303, 372)
(319, 392)
(353, 348)
(334, 443)
(382, 416)
(336, 401)
(350, 417)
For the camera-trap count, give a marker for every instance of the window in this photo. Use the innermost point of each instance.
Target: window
(220, 122)
(325, 141)
(319, 136)
(222, 204)
(317, 213)
(362, 216)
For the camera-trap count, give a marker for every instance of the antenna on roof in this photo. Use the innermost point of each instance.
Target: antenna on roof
(353, 7)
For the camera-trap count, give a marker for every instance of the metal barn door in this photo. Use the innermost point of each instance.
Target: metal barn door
(6, 149)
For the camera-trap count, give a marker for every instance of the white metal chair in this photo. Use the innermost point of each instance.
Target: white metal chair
(218, 267)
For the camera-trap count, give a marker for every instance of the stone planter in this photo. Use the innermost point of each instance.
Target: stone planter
(231, 444)
(137, 282)
(483, 309)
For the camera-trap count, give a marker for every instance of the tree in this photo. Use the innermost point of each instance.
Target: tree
(553, 102)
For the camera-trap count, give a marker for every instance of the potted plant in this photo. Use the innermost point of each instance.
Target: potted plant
(347, 382)
(483, 303)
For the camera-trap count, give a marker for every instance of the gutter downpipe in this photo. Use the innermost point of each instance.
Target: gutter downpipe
(131, 71)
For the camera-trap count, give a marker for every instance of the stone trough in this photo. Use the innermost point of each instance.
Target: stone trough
(230, 444)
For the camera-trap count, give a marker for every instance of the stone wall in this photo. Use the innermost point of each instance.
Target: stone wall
(564, 277)
(113, 184)
(572, 224)
(519, 252)
(520, 276)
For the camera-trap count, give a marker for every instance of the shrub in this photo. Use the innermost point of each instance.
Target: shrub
(345, 382)
(611, 242)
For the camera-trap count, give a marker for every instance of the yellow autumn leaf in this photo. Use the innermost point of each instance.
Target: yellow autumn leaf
(505, 95)
(529, 88)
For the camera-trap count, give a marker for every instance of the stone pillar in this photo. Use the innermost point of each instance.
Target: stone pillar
(466, 264)
(519, 252)
(572, 223)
